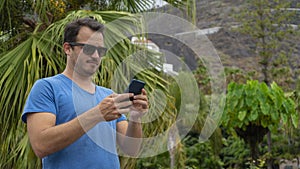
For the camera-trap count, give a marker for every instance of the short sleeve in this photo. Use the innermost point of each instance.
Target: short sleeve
(40, 99)
(122, 118)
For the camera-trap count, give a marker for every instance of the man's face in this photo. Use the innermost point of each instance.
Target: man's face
(85, 58)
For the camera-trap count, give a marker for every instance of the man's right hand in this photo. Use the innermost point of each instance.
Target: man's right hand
(114, 105)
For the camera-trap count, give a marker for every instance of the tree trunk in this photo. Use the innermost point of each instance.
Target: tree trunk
(172, 142)
(253, 136)
(254, 152)
(270, 160)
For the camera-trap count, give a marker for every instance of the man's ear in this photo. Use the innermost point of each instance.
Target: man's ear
(67, 48)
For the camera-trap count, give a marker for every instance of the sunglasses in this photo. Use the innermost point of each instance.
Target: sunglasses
(90, 49)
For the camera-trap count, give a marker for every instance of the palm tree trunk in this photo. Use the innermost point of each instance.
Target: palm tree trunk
(172, 141)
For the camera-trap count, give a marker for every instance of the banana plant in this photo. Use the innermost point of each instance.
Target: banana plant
(253, 109)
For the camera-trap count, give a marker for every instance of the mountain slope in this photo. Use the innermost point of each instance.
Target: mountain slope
(235, 49)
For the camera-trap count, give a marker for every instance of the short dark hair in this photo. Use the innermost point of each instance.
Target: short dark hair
(72, 28)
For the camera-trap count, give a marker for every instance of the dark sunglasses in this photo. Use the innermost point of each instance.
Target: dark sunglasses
(90, 49)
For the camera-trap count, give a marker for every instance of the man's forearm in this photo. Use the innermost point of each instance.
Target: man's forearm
(49, 139)
(134, 128)
(133, 137)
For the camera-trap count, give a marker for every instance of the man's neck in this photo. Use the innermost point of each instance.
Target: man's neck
(84, 82)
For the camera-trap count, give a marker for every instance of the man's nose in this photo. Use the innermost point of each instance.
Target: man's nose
(95, 54)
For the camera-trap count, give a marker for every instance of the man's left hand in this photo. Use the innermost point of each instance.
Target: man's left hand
(139, 107)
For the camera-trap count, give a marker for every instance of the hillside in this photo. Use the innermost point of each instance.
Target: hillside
(235, 49)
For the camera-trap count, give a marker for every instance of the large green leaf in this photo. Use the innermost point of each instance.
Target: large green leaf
(265, 109)
(242, 115)
(266, 106)
(254, 115)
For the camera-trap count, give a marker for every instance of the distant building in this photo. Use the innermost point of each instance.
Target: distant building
(145, 42)
(167, 67)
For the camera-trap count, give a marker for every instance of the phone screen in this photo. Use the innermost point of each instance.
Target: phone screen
(135, 87)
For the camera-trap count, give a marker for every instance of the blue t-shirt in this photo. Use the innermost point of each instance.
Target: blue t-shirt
(94, 150)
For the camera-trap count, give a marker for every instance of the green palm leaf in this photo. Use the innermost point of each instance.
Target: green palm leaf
(31, 49)
(41, 55)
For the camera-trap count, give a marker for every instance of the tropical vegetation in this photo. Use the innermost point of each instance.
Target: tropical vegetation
(30, 48)
(31, 39)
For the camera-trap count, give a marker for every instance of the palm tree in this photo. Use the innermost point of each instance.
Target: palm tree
(31, 38)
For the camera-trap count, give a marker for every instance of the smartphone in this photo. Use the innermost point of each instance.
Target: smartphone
(135, 87)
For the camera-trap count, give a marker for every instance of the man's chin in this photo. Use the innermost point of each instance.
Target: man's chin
(91, 73)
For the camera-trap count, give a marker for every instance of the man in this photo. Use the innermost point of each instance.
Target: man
(71, 122)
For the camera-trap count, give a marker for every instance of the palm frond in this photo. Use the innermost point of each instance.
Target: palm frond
(41, 55)
(20, 68)
(7, 17)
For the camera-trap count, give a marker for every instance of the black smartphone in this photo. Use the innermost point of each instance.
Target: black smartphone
(135, 87)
